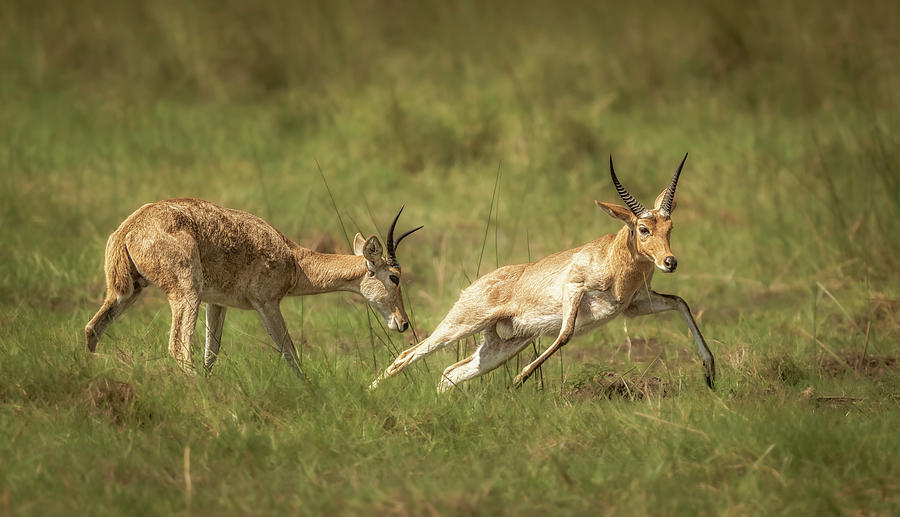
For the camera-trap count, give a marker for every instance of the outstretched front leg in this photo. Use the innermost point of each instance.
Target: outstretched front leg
(444, 335)
(458, 324)
(570, 311)
(654, 302)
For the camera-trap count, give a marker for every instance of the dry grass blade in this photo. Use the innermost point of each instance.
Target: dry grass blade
(188, 486)
(841, 307)
(334, 205)
(830, 352)
(487, 224)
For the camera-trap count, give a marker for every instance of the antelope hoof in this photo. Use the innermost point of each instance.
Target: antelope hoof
(90, 338)
(710, 377)
(520, 380)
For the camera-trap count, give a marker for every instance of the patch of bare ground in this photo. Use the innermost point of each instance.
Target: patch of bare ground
(113, 399)
(874, 367)
(835, 400)
(597, 381)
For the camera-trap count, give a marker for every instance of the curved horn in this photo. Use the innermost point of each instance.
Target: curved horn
(391, 247)
(665, 208)
(633, 204)
(392, 243)
(397, 243)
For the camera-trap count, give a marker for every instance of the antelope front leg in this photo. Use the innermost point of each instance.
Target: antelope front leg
(270, 313)
(657, 302)
(568, 328)
(215, 319)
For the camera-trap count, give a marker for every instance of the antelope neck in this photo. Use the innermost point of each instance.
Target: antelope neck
(327, 272)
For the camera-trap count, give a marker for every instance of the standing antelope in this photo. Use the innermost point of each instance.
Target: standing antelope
(567, 293)
(197, 251)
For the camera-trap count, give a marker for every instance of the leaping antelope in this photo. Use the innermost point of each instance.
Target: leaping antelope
(197, 251)
(567, 293)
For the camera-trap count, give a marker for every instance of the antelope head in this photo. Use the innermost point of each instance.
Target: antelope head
(381, 284)
(650, 229)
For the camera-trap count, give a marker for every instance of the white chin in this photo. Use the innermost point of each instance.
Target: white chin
(392, 324)
(664, 269)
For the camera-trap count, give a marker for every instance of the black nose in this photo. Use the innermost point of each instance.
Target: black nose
(404, 326)
(671, 263)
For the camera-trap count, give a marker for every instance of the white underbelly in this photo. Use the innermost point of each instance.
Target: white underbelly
(596, 308)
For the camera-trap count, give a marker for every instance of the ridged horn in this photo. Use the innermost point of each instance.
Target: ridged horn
(391, 243)
(633, 204)
(665, 207)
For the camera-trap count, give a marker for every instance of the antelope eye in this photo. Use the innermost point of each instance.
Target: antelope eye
(644, 230)
(395, 279)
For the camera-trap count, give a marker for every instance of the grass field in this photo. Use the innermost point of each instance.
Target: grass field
(787, 235)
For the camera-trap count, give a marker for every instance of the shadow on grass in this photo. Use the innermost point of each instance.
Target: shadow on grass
(598, 381)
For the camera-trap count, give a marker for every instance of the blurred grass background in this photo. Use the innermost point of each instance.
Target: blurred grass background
(786, 233)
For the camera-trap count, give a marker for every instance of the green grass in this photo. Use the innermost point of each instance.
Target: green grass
(786, 235)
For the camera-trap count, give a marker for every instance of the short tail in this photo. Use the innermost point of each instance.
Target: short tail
(120, 270)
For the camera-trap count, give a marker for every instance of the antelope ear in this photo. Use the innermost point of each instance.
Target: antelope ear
(358, 243)
(617, 212)
(372, 251)
(660, 197)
